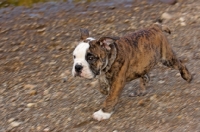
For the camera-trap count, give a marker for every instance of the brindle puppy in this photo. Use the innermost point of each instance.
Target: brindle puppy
(120, 60)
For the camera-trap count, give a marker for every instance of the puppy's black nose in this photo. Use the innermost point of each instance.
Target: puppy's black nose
(78, 68)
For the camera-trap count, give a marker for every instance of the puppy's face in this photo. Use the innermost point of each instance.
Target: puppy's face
(89, 57)
(81, 66)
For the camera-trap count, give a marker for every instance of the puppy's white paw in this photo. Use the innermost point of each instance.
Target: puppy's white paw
(100, 115)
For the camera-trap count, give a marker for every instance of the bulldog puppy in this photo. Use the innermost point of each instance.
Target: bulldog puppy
(116, 61)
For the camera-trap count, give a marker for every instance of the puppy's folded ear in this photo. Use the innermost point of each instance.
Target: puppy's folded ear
(106, 42)
(84, 34)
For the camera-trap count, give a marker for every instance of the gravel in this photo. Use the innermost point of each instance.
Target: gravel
(38, 92)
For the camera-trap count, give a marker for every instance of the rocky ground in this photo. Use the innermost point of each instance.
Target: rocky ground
(38, 93)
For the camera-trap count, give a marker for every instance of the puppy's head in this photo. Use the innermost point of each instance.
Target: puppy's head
(90, 55)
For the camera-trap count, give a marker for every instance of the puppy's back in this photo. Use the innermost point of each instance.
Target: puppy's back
(150, 35)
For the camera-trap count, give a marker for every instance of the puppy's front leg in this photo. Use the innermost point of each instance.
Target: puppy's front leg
(109, 104)
(104, 87)
(142, 89)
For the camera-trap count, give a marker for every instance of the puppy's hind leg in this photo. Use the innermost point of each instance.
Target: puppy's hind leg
(176, 64)
(169, 59)
(185, 73)
(142, 90)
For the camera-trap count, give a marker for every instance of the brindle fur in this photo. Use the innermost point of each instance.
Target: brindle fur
(135, 54)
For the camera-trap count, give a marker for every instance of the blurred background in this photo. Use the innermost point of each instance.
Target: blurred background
(38, 93)
(5, 3)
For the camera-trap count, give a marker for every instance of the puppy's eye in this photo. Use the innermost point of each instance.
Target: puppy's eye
(90, 57)
(74, 56)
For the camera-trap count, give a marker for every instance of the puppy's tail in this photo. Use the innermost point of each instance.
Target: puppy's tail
(163, 27)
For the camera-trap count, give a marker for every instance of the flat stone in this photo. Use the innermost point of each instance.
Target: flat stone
(154, 97)
(47, 129)
(41, 30)
(183, 24)
(29, 86)
(33, 92)
(15, 124)
(181, 19)
(11, 120)
(178, 75)
(166, 16)
(46, 92)
(141, 102)
(29, 105)
(161, 81)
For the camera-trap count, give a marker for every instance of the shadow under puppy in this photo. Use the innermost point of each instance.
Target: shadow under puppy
(116, 61)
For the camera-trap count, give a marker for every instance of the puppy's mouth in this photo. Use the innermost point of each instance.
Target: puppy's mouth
(78, 74)
(95, 73)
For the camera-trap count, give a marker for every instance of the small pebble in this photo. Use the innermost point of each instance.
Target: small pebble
(178, 75)
(161, 81)
(15, 123)
(29, 86)
(33, 92)
(47, 129)
(41, 30)
(166, 16)
(141, 102)
(183, 24)
(29, 105)
(11, 120)
(181, 19)
(154, 97)
(46, 92)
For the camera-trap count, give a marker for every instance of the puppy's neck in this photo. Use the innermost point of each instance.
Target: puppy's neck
(110, 58)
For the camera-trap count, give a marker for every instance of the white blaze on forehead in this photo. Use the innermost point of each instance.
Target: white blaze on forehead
(80, 50)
